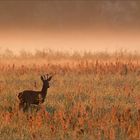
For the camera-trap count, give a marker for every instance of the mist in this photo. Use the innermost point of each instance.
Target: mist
(70, 25)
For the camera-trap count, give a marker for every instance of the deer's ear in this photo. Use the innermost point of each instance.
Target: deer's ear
(49, 78)
(42, 78)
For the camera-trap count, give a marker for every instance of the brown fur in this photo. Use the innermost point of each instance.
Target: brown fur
(28, 97)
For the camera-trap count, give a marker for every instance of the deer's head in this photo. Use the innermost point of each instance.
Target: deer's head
(46, 79)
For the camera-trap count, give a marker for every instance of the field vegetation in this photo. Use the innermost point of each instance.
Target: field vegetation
(92, 96)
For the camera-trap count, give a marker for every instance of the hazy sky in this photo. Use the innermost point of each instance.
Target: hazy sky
(70, 24)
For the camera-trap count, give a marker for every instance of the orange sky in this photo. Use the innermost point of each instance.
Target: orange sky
(70, 25)
(71, 40)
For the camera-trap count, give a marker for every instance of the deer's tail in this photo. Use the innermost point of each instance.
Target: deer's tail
(20, 95)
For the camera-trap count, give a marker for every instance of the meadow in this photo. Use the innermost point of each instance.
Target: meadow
(94, 96)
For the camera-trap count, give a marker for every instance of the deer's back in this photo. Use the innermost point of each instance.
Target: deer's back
(29, 96)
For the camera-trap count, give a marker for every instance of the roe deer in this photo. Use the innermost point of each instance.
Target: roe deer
(28, 97)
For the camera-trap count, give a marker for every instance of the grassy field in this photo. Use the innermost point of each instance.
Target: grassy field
(91, 97)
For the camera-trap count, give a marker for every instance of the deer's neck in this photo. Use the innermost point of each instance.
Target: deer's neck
(44, 91)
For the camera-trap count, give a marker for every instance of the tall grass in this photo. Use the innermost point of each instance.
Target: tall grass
(91, 96)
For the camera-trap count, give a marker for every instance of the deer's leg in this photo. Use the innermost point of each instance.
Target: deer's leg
(21, 105)
(38, 108)
(26, 107)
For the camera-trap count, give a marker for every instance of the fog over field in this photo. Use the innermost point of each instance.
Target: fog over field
(70, 25)
(69, 69)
